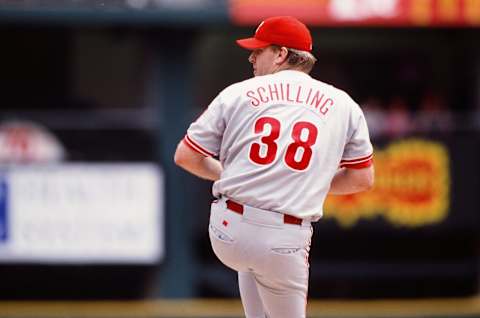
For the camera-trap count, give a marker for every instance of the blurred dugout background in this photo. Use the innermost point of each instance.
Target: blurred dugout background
(96, 221)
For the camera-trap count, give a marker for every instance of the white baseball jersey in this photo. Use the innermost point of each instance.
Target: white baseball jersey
(280, 139)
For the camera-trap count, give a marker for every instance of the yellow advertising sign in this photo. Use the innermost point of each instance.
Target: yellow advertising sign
(412, 187)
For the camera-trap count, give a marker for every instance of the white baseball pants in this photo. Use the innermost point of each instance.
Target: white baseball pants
(271, 259)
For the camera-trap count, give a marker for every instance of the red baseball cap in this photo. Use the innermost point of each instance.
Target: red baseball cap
(283, 30)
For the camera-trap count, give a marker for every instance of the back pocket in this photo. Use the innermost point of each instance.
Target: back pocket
(285, 250)
(220, 235)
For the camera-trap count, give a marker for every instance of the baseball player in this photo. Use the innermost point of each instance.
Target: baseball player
(283, 141)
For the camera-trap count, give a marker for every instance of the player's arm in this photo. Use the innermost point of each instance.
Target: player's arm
(356, 173)
(348, 181)
(204, 167)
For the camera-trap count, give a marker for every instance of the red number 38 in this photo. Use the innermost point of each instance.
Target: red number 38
(293, 158)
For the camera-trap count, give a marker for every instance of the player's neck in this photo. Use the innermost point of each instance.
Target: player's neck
(284, 67)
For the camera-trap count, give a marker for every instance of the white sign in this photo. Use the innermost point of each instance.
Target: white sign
(356, 10)
(101, 213)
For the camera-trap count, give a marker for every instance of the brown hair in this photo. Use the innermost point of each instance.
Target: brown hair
(302, 60)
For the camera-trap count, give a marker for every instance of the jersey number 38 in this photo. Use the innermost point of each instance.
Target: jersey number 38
(299, 152)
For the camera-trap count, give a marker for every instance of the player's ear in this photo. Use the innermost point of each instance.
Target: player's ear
(281, 55)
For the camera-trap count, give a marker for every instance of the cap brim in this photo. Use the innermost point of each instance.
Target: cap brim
(252, 43)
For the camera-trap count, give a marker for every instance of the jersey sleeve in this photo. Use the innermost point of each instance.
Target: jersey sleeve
(205, 134)
(358, 152)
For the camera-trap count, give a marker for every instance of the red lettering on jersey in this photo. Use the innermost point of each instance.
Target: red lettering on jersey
(288, 94)
(324, 109)
(281, 91)
(298, 95)
(253, 100)
(308, 97)
(261, 96)
(317, 99)
(272, 91)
